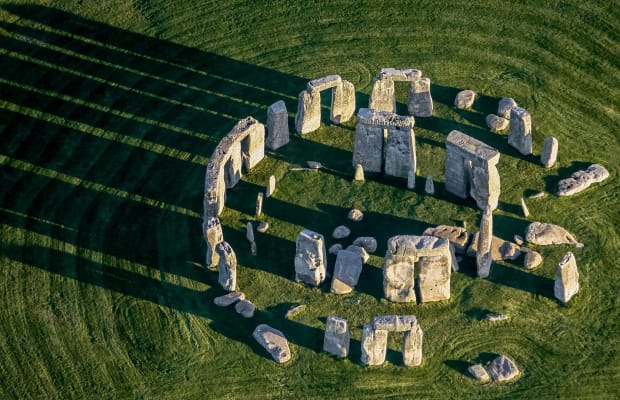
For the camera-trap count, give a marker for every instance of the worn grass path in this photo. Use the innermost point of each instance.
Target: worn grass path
(110, 110)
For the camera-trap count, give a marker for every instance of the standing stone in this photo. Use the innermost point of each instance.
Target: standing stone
(227, 266)
(245, 308)
(429, 187)
(398, 270)
(271, 186)
(485, 238)
(465, 99)
(567, 279)
(259, 204)
(249, 232)
(308, 117)
(526, 211)
(545, 234)
(581, 180)
(277, 126)
(360, 251)
(253, 249)
(504, 106)
(214, 236)
(382, 96)
(374, 345)
(411, 179)
(346, 272)
(520, 134)
(273, 341)
(359, 172)
(412, 346)
(434, 276)
(334, 249)
(420, 102)
(502, 369)
(400, 152)
(337, 337)
(549, 152)
(310, 258)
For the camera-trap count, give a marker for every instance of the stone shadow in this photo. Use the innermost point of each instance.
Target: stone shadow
(522, 280)
(459, 366)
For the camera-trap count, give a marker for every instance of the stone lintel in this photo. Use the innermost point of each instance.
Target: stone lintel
(394, 323)
(471, 148)
(368, 116)
(326, 82)
(400, 75)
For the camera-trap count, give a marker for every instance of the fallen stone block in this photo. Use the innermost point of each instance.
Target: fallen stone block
(273, 341)
(496, 123)
(545, 234)
(478, 372)
(368, 243)
(504, 106)
(502, 369)
(581, 180)
(228, 299)
(458, 236)
(245, 308)
(464, 99)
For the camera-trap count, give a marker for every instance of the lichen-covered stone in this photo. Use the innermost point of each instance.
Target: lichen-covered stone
(412, 346)
(545, 234)
(227, 266)
(504, 106)
(532, 259)
(567, 279)
(273, 341)
(458, 236)
(337, 337)
(520, 134)
(374, 345)
(500, 249)
(581, 180)
(277, 126)
(355, 215)
(496, 123)
(465, 99)
(346, 272)
(502, 369)
(549, 153)
(478, 372)
(310, 258)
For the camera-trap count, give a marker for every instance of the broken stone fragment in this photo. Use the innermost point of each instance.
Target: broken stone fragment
(337, 337)
(518, 239)
(314, 164)
(459, 237)
(262, 227)
(346, 272)
(502, 369)
(271, 186)
(249, 232)
(496, 123)
(465, 99)
(359, 172)
(277, 126)
(581, 180)
(273, 341)
(341, 232)
(360, 251)
(500, 249)
(504, 106)
(567, 279)
(538, 195)
(545, 234)
(335, 248)
(532, 259)
(259, 204)
(549, 153)
(368, 243)
(478, 372)
(245, 308)
(496, 317)
(229, 299)
(524, 209)
(429, 187)
(294, 311)
(355, 215)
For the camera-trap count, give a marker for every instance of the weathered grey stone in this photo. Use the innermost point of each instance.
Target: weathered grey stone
(227, 266)
(429, 186)
(253, 249)
(323, 83)
(355, 215)
(459, 237)
(213, 235)
(411, 180)
(420, 102)
(273, 341)
(434, 277)
(518, 239)
(245, 308)
(400, 157)
(277, 126)
(465, 99)
(504, 106)
(295, 311)
(502, 369)
(412, 346)
(359, 172)
(382, 96)
(314, 164)
(538, 195)
(478, 372)
(394, 323)
(308, 117)
(545, 234)
(335, 248)
(567, 279)
(262, 227)
(363, 254)
(228, 299)
(337, 337)
(341, 232)
(343, 102)
(368, 243)
(346, 272)
(249, 232)
(400, 75)
(374, 345)
(532, 259)
(496, 317)
(496, 123)
(485, 237)
(581, 180)
(500, 249)
(271, 186)
(549, 152)
(310, 258)
(520, 134)
(471, 164)
(259, 204)
(524, 209)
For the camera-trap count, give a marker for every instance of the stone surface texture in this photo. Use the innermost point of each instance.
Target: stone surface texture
(458, 236)
(532, 259)
(226, 266)
(504, 106)
(337, 337)
(277, 126)
(545, 234)
(412, 346)
(245, 308)
(212, 229)
(308, 117)
(464, 99)
(368, 243)
(310, 258)
(346, 272)
(500, 248)
(374, 345)
(502, 369)
(420, 101)
(496, 123)
(549, 153)
(273, 341)
(478, 372)
(355, 215)
(228, 299)
(485, 238)
(581, 180)
(341, 232)
(259, 204)
(520, 134)
(374, 339)
(271, 186)
(567, 278)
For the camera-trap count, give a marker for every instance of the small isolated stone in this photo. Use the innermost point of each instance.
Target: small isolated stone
(341, 232)
(314, 164)
(532, 259)
(368, 243)
(228, 299)
(295, 311)
(411, 180)
(259, 204)
(273, 341)
(502, 369)
(581, 180)
(496, 317)
(464, 99)
(567, 278)
(359, 172)
(337, 337)
(271, 186)
(545, 234)
(478, 372)
(245, 308)
(504, 106)
(356, 215)
(262, 227)
(429, 187)
(526, 211)
(549, 153)
(496, 123)
(359, 250)
(335, 248)
(249, 232)
(518, 239)
(538, 195)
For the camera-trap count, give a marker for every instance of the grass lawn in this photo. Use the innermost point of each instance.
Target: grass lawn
(110, 110)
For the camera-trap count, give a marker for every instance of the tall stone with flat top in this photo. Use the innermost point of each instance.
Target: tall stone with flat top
(346, 272)
(412, 346)
(520, 134)
(213, 235)
(277, 126)
(308, 117)
(310, 258)
(337, 337)
(485, 239)
(227, 266)
(420, 102)
(549, 152)
(374, 345)
(567, 279)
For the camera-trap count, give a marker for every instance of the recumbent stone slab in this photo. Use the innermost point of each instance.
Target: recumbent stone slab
(581, 180)
(273, 341)
(545, 234)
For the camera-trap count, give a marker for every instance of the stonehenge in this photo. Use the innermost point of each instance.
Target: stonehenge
(382, 97)
(544, 234)
(308, 117)
(471, 168)
(581, 180)
(384, 140)
(374, 339)
(310, 258)
(520, 133)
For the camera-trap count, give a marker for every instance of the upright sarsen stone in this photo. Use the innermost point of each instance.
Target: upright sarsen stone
(337, 337)
(567, 279)
(346, 272)
(520, 133)
(420, 102)
(310, 258)
(277, 126)
(485, 239)
(374, 345)
(227, 266)
(213, 235)
(412, 346)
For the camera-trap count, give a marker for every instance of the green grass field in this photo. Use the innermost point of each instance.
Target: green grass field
(109, 112)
